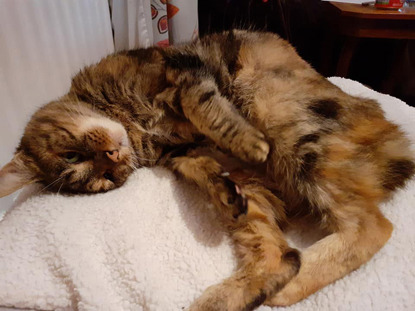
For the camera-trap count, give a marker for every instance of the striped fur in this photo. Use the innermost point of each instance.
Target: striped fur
(269, 124)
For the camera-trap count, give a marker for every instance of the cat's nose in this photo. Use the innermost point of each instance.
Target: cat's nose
(113, 155)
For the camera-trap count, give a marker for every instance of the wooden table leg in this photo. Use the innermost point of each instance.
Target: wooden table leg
(346, 54)
(394, 78)
(326, 55)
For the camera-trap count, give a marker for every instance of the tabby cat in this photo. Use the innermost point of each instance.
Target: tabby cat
(245, 118)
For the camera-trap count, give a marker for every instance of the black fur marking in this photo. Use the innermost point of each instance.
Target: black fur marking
(230, 50)
(142, 55)
(217, 75)
(176, 101)
(281, 72)
(106, 97)
(45, 136)
(183, 61)
(256, 303)
(231, 132)
(294, 257)
(397, 173)
(66, 131)
(326, 108)
(206, 97)
(56, 124)
(198, 138)
(87, 98)
(178, 151)
(218, 125)
(47, 120)
(129, 108)
(173, 106)
(26, 149)
(309, 138)
(84, 181)
(309, 162)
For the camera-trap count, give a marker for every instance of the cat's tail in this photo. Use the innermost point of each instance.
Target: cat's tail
(397, 165)
(396, 172)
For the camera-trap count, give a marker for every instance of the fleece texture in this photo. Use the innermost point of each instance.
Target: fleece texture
(154, 244)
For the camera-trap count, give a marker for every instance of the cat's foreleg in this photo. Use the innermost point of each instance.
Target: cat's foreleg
(265, 262)
(358, 233)
(214, 116)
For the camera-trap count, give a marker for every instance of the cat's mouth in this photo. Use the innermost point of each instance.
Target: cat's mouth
(95, 182)
(109, 176)
(95, 172)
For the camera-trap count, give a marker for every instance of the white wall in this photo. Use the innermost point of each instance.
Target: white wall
(42, 44)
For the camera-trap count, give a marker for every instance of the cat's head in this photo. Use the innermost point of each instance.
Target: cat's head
(69, 148)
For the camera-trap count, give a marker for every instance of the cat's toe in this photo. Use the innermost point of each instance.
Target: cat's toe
(250, 146)
(261, 148)
(254, 149)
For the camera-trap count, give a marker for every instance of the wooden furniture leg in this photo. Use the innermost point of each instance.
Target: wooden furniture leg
(346, 55)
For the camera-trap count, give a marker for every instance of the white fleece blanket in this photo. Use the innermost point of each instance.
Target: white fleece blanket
(154, 244)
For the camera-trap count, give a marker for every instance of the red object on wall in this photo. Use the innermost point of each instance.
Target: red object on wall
(171, 10)
(389, 4)
(163, 25)
(154, 12)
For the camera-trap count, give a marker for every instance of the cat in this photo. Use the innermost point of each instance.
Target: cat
(240, 114)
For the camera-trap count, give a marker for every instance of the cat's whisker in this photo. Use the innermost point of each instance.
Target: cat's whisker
(60, 187)
(134, 162)
(132, 166)
(51, 184)
(135, 157)
(324, 151)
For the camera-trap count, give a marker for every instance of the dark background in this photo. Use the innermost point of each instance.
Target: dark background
(302, 22)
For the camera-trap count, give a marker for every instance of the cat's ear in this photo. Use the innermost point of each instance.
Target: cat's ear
(14, 175)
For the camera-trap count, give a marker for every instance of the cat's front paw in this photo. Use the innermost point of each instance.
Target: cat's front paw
(208, 174)
(234, 197)
(250, 146)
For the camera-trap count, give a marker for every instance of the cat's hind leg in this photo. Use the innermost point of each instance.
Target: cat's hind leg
(357, 233)
(265, 262)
